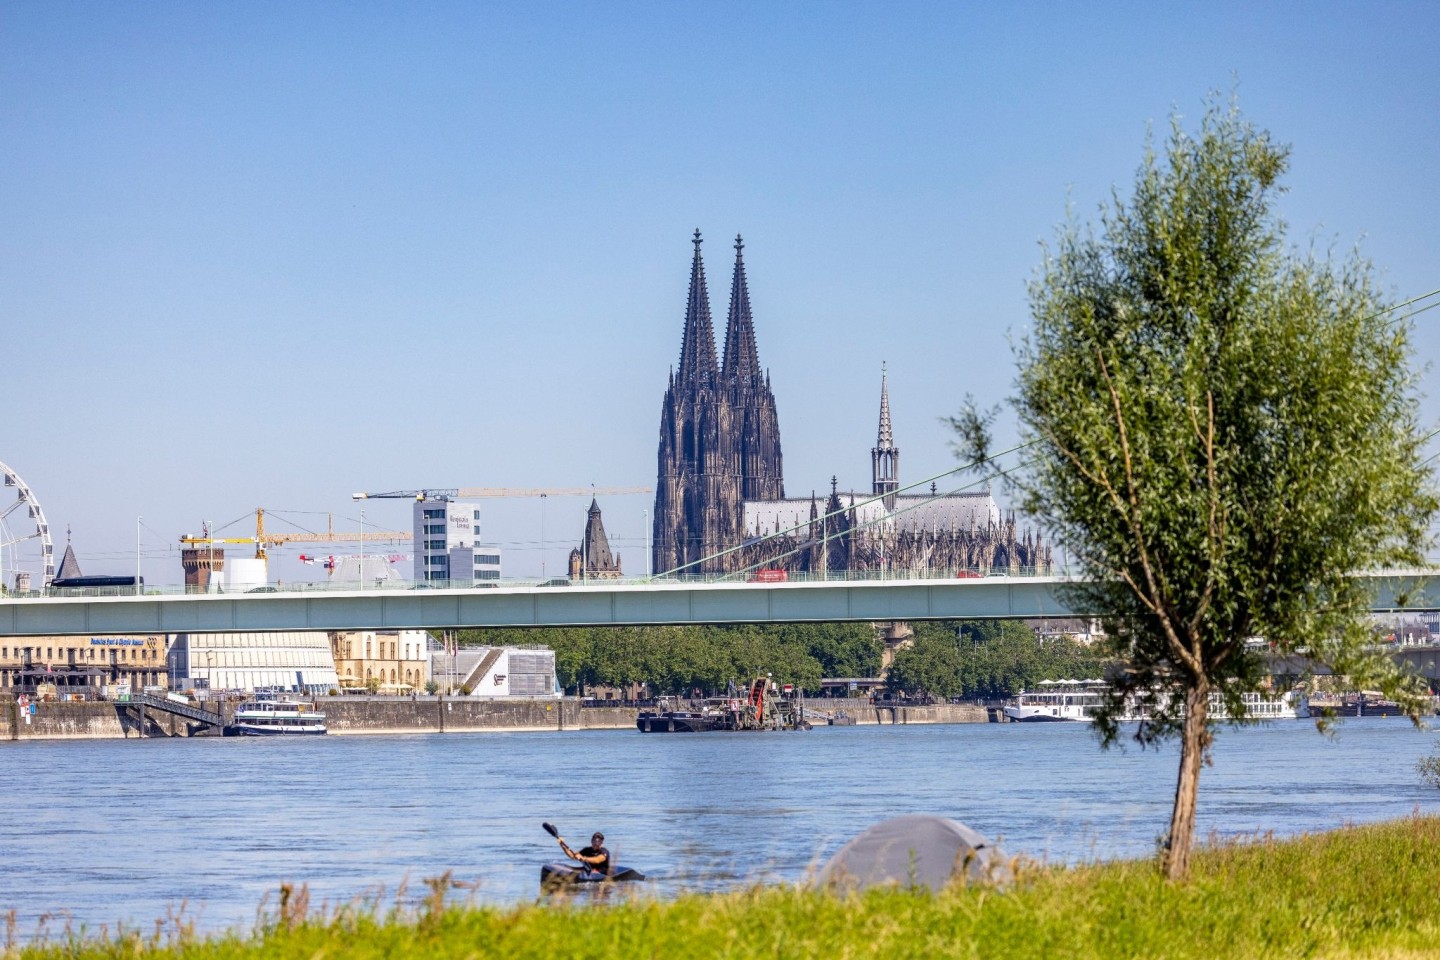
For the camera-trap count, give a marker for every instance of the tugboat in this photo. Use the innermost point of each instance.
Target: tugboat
(763, 707)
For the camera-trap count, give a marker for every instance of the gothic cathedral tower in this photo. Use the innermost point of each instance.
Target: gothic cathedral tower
(757, 438)
(719, 435)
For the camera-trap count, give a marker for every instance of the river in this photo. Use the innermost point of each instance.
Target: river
(100, 831)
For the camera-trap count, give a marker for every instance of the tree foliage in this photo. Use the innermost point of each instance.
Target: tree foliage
(685, 659)
(1225, 431)
(987, 660)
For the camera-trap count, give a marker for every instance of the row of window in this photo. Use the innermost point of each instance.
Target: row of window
(412, 650)
(491, 558)
(72, 654)
(260, 658)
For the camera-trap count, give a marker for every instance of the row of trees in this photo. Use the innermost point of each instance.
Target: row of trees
(979, 660)
(684, 659)
(987, 660)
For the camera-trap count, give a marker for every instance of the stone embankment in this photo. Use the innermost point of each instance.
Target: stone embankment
(388, 715)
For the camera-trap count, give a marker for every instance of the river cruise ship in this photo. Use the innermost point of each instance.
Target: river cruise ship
(1080, 700)
(267, 716)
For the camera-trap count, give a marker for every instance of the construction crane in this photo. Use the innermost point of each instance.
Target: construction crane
(466, 493)
(263, 539)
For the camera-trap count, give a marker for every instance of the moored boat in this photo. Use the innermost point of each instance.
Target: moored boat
(1080, 701)
(267, 716)
(764, 707)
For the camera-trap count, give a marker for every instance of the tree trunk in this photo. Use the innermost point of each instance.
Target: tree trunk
(1194, 741)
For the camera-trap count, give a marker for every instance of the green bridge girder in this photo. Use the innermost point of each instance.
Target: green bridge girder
(611, 603)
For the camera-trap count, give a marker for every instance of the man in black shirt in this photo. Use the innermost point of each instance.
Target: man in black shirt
(594, 857)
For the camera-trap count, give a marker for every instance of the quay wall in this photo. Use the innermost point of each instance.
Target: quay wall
(353, 715)
(348, 715)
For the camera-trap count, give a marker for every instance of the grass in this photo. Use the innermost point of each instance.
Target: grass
(1371, 891)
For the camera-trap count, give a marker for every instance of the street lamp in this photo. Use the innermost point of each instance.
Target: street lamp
(137, 555)
(645, 522)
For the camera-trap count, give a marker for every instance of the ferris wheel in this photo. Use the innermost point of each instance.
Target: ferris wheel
(27, 555)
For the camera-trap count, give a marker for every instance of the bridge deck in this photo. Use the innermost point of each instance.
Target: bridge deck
(612, 603)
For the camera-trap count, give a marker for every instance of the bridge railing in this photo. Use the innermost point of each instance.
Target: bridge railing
(757, 577)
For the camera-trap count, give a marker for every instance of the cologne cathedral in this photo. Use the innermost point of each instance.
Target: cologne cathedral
(720, 504)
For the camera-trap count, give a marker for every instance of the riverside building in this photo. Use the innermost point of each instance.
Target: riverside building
(81, 667)
(394, 662)
(298, 661)
(447, 544)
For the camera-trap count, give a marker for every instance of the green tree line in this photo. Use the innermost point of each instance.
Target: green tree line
(975, 660)
(705, 658)
(987, 660)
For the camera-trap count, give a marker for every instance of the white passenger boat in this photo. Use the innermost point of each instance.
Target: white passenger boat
(269, 717)
(1058, 700)
(1080, 700)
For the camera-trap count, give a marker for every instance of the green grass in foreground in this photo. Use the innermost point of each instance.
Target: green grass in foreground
(1371, 891)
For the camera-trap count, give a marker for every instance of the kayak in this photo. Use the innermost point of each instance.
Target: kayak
(562, 874)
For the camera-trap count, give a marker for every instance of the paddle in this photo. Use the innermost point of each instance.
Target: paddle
(551, 829)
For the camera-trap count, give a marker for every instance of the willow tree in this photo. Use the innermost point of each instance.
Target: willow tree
(1223, 432)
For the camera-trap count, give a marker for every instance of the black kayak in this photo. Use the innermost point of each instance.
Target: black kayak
(562, 874)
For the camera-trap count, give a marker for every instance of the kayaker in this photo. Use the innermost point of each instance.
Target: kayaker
(595, 857)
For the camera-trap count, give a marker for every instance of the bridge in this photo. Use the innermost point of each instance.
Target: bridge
(638, 602)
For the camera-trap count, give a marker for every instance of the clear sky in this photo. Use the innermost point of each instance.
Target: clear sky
(266, 254)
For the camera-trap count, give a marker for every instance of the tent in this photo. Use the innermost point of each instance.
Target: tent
(914, 850)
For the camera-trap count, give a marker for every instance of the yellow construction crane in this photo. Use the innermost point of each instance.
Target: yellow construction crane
(466, 493)
(263, 539)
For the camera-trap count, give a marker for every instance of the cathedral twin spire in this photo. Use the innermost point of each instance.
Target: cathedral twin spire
(697, 345)
(719, 432)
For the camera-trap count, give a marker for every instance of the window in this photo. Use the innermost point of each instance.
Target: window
(487, 574)
(434, 544)
(434, 528)
(477, 516)
(488, 558)
(435, 514)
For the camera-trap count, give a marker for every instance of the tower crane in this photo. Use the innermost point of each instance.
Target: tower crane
(465, 493)
(263, 539)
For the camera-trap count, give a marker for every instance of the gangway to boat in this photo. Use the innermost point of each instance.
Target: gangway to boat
(204, 719)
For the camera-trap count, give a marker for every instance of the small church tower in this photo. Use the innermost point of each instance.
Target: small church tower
(885, 456)
(592, 560)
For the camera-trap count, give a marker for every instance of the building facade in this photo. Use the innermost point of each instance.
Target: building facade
(81, 667)
(385, 662)
(277, 660)
(447, 544)
(720, 504)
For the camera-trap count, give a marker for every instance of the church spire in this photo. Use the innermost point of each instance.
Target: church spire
(742, 357)
(885, 458)
(697, 348)
(884, 440)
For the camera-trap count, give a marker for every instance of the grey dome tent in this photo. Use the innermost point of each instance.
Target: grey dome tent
(914, 850)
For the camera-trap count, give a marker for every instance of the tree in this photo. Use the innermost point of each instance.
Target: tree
(1223, 432)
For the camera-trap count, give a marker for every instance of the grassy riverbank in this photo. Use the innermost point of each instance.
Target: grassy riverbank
(1370, 891)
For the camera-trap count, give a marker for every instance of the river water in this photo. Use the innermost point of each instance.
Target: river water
(102, 831)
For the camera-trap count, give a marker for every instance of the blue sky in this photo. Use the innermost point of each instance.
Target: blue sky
(268, 254)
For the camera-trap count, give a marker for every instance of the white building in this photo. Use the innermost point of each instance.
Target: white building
(297, 660)
(497, 672)
(447, 544)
